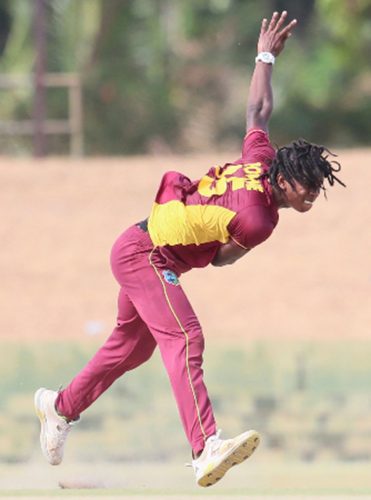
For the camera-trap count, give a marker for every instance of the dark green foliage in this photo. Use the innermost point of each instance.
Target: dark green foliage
(5, 24)
(170, 75)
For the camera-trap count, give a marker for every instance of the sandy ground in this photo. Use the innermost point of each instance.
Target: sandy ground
(255, 480)
(310, 280)
(187, 497)
(193, 497)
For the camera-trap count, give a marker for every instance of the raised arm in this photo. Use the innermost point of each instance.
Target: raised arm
(272, 38)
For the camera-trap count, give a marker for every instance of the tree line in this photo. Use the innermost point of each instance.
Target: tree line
(172, 75)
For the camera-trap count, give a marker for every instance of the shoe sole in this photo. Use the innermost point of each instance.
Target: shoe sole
(242, 451)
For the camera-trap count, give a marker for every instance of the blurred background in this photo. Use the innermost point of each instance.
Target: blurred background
(97, 100)
(149, 76)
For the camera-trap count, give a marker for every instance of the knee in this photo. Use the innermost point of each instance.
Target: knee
(195, 352)
(148, 350)
(142, 353)
(195, 341)
(179, 356)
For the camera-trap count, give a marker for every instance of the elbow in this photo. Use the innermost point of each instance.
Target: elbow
(221, 264)
(254, 110)
(259, 114)
(221, 259)
(217, 262)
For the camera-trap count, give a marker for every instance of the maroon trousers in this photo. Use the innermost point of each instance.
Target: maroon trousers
(152, 310)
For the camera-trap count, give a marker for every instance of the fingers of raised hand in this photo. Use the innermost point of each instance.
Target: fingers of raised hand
(280, 21)
(273, 21)
(274, 33)
(286, 32)
(264, 26)
(277, 21)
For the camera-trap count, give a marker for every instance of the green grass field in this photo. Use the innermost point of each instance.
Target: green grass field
(310, 401)
(313, 413)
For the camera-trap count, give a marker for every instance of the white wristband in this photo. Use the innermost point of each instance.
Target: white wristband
(265, 57)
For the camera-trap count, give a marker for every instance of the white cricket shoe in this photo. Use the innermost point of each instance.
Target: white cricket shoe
(54, 428)
(219, 455)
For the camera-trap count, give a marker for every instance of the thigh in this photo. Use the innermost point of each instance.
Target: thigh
(127, 315)
(130, 325)
(129, 345)
(160, 300)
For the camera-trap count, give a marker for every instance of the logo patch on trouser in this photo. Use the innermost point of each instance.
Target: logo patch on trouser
(170, 277)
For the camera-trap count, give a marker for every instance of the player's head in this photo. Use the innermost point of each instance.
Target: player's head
(298, 172)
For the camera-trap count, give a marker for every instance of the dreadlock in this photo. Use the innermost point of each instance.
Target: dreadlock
(305, 163)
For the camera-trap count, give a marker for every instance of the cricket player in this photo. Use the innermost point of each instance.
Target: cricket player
(213, 220)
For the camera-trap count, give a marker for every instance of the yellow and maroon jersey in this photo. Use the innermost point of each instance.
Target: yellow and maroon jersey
(190, 220)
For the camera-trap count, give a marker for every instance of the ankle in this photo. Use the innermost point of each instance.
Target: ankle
(68, 420)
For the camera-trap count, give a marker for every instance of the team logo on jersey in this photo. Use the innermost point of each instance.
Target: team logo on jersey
(170, 277)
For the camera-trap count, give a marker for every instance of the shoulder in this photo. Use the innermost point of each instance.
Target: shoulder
(256, 146)
(172, 187)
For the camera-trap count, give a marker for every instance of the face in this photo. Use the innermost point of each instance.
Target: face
(299, 197)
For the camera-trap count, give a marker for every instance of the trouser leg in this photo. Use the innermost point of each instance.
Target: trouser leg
(129, 345)
(169, 316)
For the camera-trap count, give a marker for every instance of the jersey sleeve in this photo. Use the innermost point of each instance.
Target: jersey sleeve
(251, 226)
(256, 147)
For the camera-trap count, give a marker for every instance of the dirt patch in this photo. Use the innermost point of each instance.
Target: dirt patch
(187, 497)
(262, 478)
(311, 279)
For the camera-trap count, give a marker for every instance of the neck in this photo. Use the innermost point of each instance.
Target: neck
(279, 198)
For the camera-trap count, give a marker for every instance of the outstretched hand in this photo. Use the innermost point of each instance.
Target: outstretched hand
(273, 36)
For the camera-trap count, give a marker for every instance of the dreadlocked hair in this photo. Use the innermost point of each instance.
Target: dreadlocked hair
(305, 163)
